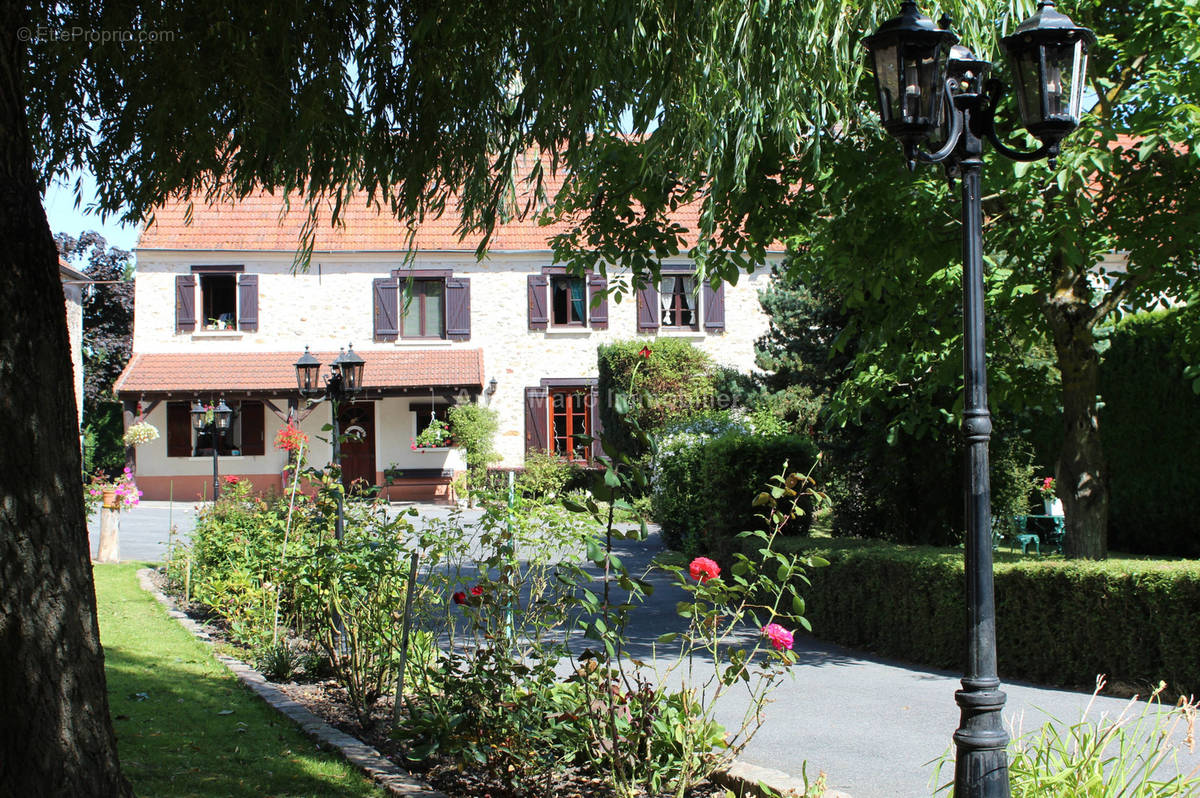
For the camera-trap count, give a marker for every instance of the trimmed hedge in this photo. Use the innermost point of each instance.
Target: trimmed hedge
(704, 491)
(1057, 622)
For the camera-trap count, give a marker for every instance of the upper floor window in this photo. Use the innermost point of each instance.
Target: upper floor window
(218, 301)
(680, 303)
(216, 298)
(424, 311)
(569, 302)
(422, 303)
(558, 299)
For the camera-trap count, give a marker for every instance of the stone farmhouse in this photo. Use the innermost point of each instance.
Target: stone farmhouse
(221, 313)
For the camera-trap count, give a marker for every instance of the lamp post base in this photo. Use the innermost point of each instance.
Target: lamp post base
(981, 761)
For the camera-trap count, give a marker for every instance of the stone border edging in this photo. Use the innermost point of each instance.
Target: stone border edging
(744, 780)
(748, 781)
(382, 771)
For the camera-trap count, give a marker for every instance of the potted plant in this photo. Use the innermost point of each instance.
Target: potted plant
(140, 433)
(435, 436)
(1050, 502)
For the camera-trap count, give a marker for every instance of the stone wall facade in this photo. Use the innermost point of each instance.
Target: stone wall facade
(330, 306)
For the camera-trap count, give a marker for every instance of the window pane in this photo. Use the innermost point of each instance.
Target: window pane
(435, 300)
(578, 301)
(559, 301)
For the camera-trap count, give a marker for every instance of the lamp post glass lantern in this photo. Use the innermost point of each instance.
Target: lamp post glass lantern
(344, 381)
(216, 422)
(1048, 54)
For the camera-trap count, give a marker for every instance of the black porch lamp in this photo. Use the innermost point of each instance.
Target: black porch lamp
(917, 63)
(350, 366)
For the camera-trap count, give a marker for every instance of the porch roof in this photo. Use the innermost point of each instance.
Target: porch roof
(274, 373)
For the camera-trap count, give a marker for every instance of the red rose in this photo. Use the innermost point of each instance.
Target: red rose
(459, 597)
(477, 590)
(645, 352)
(702, 569)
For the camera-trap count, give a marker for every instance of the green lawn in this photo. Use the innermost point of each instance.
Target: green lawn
(187, 727)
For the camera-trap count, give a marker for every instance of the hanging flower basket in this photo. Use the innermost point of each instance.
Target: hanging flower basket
(140, 433)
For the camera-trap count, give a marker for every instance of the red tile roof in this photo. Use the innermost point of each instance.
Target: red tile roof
(275, 372)
(264, 222)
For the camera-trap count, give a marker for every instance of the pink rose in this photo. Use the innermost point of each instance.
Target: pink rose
(702, 569)
(780, 638)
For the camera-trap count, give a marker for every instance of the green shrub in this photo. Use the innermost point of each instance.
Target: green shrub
(675, 382)
(705, 484)
(1058, 622)
(474, 428)
(546, 475)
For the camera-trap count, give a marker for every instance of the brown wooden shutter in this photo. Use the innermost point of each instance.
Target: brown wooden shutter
(648, 310)
(458, 308)
(599, 307)
(537, 420)
(386, 293)
(714, 307)
(253, 429)
(539, 316)
(248, 302)
(179, 430)
(596, 426)
(185, 303)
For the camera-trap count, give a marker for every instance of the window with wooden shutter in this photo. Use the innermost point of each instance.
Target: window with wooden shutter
(385, 292)
(539, 316)
(536, 420)
(458, 308)
(179, 430)
(252, 416)
(598, 299)
(248, 302)
(714, 307)
(185, 303)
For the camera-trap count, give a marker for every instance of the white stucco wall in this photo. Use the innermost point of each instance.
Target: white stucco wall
(331, 306)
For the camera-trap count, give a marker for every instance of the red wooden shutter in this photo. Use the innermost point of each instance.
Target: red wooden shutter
(458, 308)
(179, 430)
(537, 420)
(539, 318)
(253, 428)
(598, 298)
(185, 303)
(596, 427)
(386, 293)
(648, 310)
(714, 306)
(248, 302)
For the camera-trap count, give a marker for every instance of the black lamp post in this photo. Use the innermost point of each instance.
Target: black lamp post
(921, 76)
(343, 382)
(215, 421)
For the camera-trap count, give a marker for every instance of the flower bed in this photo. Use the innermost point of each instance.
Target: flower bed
(486, 636)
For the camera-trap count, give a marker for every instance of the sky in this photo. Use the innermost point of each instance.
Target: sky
(64, 217)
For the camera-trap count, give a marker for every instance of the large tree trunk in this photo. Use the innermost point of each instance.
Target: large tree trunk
(1081, 475)
(56, 738)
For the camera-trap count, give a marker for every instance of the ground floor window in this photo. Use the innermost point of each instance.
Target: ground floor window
(570, 416)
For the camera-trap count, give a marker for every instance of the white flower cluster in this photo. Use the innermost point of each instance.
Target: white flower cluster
(675, 439)
(140, 433)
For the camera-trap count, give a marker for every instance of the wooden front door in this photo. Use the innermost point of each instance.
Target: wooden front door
(357, 422)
